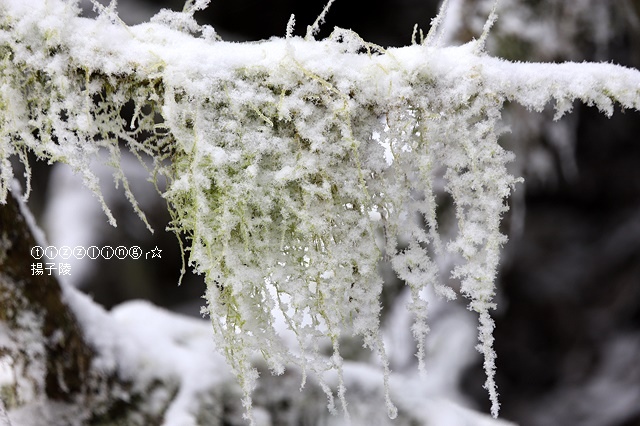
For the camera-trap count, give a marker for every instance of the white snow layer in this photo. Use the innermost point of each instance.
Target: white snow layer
(117, 49)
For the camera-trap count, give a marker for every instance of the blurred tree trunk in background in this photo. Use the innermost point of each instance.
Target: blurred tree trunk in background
(32, 306)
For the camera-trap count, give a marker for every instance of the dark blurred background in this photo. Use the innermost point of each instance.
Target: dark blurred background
(568, 322)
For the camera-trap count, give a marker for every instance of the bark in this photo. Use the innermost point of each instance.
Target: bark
(67, 357)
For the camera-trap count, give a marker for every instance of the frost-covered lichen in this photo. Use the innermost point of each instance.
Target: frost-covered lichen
(295, 165)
